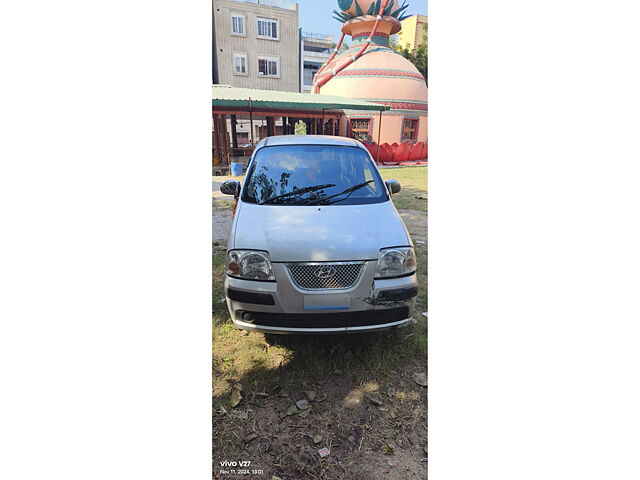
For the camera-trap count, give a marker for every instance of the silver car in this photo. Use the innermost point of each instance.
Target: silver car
(316, 244)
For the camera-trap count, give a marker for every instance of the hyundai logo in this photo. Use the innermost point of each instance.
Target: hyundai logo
(325, 272)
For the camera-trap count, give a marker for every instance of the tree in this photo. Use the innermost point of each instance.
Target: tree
(300, 128)
(419, 57)
(344, 47)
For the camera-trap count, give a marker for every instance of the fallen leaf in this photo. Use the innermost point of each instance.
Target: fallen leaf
(302, 404)
(387, 450)
(311, 395)
(273, 477)
(317, 438)
(420, 379)
(291, 410)
(236, 396)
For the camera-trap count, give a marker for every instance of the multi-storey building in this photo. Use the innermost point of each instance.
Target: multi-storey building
(315, 50)
(414, 32)
(256, 44)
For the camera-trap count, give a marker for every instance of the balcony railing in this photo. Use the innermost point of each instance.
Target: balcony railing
(318, 36)
(316, 54)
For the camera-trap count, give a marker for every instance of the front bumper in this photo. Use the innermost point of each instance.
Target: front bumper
(279, 307)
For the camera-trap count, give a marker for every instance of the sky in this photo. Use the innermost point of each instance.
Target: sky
(316, 15)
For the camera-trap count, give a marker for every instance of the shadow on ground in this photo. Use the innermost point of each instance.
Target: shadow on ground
(362, 403)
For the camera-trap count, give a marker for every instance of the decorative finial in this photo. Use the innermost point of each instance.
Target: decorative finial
(356, 8)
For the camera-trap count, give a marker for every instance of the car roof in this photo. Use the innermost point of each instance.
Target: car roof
(308, 140)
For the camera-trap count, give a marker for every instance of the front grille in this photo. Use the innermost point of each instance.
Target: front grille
(320, 276)
(330, 320)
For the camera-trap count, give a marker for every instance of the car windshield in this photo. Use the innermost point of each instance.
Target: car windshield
(313, 175)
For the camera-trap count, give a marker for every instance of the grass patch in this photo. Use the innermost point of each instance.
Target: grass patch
(223, 203)
(413, 181)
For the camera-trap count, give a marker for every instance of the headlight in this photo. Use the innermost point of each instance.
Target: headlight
(249, 264)
(396, 262)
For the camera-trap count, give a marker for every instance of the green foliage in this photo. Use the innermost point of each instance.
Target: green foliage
(418, 57)
(344, 47)
(300, 128)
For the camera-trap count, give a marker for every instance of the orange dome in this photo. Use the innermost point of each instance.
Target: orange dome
(381, 73)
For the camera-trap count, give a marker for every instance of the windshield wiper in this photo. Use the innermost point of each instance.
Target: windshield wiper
(298, 192)
(349, 190)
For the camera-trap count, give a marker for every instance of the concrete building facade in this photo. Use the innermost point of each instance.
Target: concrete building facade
(414, 32)
(315, 50)
(256, 44)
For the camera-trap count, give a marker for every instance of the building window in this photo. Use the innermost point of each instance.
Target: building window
(310, 69)
(237, 24)
(410, 129)
(268, 66)
(360, 129)
(268, 28)
(240, 63)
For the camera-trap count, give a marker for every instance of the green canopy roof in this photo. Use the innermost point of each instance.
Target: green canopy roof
(228, 96)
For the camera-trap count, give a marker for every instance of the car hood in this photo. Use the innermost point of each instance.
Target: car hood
(318, 233)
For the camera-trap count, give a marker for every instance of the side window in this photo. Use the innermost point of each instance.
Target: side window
(268, 28)
(360, 129)
(410, 129)
(268, 66)
(240, 63)
(237, 24)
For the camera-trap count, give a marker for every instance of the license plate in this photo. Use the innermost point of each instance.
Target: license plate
(327, 302)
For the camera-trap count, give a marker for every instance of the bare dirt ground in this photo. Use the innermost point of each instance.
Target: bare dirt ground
(365, 441)
(359, 396)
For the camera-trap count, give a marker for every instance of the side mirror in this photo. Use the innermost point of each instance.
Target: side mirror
(230, 187)
(393, 186)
